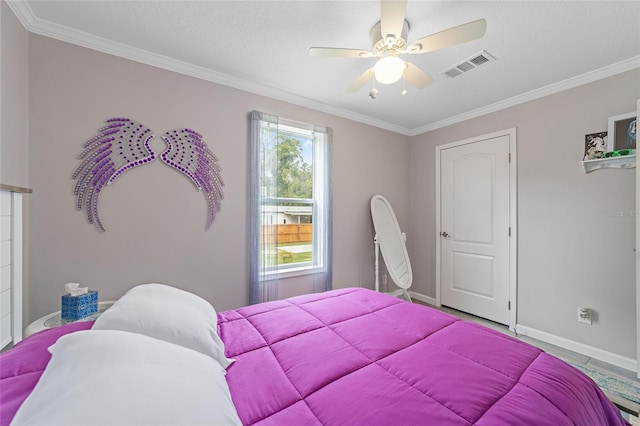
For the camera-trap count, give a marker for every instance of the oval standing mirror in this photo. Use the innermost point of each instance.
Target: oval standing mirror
(392, 244)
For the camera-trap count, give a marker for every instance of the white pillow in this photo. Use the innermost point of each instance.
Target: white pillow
(170, 314)
(119, 378)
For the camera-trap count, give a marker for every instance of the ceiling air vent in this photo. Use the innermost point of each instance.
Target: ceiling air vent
(465, 66)
(469, 64)
(453, 72)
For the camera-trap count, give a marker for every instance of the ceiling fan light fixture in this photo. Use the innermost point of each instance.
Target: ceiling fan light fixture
(389, 69)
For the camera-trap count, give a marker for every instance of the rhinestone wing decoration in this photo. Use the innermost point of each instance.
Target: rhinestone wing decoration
(120, 146)
(188, 154)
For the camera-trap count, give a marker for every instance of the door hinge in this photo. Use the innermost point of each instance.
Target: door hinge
(509, 231)
(509, 157)
(509, 305)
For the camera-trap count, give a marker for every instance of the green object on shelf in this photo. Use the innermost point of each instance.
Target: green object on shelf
(618, 153)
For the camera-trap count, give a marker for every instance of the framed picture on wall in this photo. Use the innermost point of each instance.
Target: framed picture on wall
(595, 145)
(622, 132)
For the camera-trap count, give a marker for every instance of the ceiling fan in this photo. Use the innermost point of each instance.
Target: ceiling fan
(388, 38)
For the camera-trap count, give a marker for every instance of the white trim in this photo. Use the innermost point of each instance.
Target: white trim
(396, 293)
(16, 266)
(513, 216)
(70, 35)
(569, 83)
(590, 351)
(23, 12)
(438, 229)
(417, 296)
(422, 298)
(513, 221)
(5, 342)
(280, 274)
(25, 15)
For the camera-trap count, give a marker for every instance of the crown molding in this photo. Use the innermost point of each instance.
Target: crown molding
(33, 24)
(570, 83)
(23, 12)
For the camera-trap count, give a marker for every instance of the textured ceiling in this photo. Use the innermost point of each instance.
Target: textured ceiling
(262, 46)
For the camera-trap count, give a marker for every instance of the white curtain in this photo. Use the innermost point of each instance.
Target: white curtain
(264, 270)
(323, 207)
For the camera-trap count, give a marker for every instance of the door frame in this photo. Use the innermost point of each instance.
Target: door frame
(513, 216)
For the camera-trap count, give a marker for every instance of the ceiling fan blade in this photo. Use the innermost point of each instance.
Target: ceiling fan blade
(360, 81)
(392, 15)
(416, 77)
(456, 35)
(337, 52)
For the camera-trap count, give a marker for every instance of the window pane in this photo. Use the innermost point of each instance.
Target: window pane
(295, 167)
(287, 234)
(287, 224)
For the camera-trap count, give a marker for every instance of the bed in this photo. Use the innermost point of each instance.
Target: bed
(349, 356)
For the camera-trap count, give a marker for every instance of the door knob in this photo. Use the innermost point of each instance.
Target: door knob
(444, 234)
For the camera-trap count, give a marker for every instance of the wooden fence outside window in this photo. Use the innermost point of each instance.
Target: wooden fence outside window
(289, 233)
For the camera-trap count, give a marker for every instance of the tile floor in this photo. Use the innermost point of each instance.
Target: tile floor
(563, 354)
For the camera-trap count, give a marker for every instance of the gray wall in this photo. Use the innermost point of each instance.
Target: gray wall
(153, 215)
(14, 114)
(575, 230)
(13, 99)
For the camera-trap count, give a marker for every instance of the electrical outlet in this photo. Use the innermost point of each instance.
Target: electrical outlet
(384, 279)
(584, 315)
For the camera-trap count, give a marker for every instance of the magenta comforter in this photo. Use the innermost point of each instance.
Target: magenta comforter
(354, 356)
(22, 366)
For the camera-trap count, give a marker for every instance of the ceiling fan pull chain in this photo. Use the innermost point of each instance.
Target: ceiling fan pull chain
(404, 83)
(374, 92)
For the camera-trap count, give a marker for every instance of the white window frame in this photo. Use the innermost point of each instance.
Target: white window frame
(264, 278)
(298, 130)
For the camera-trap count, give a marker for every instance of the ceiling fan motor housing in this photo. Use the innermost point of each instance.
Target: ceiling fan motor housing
(383, 45)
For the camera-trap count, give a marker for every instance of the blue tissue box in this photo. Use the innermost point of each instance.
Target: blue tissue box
(76, 307)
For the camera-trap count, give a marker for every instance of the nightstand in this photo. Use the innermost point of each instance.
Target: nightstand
(55, 319)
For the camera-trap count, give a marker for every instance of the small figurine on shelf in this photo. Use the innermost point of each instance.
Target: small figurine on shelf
(595, 145)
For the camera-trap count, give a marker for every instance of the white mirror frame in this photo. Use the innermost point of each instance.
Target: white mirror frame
(391, 241)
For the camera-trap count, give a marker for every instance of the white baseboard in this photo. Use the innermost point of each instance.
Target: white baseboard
(417, 296)
(5, 342)
(421, 297)
(590, 351)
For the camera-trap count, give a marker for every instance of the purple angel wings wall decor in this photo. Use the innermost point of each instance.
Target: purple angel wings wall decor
(124, 144)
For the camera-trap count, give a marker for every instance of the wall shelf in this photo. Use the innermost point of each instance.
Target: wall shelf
(621, 162)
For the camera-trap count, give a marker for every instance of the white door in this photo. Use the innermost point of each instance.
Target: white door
(474, 225)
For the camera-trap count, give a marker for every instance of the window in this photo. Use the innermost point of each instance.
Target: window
(290, 204)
